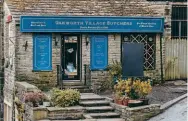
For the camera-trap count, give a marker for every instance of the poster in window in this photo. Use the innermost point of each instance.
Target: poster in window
(42, 52)
(99, 52)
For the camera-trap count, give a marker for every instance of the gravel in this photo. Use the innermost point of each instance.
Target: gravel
(160, 93)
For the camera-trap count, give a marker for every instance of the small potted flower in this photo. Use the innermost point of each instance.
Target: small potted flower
(145, 89)
(125, 101)
(33, 97)
(118, 98)
(46, 101)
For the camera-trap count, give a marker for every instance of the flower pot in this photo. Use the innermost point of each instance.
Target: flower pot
(144, 101)
(134, 103)
(119, 101)
(125, 102)
(46, 104)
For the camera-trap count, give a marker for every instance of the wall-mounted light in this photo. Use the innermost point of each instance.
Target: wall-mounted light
(114, 36)
(56, 40)
(25, 45)
(87, 40)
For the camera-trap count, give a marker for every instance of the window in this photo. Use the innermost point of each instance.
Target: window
(179, 21)
(149, 47)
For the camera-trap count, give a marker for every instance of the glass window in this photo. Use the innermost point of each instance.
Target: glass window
(149, 47)
(179, 21)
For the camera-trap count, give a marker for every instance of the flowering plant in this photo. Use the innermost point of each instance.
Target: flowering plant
(34, 97)
(144, 89)
(134, 88)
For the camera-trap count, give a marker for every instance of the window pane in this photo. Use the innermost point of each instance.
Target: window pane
(179, 12)
(175, 29)
(183, 29)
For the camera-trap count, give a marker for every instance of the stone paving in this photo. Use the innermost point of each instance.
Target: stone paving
(178, 112)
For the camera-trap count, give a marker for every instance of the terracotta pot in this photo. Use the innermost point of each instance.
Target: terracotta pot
(119, 101)
(144, 101)
(125, 102)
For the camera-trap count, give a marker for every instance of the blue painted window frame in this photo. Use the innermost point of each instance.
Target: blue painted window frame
(91, 53)
(35, 69)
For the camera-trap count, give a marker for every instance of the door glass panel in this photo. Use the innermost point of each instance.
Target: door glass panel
(70, 60)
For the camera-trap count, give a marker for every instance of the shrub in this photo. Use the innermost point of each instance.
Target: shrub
(134, 89)
(33, 97)
(115, 69)
(65, 98)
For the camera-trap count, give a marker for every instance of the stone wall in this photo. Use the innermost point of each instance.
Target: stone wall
(41, 79)
(21, 89)
(9, 56)
(23, 58)
(141, 113)
(24, 62)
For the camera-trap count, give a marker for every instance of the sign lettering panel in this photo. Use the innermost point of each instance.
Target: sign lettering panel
(99, 52)
(90, 24)
(42, 52)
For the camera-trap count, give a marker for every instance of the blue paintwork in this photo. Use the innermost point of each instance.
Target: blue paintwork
(42, 52)
(91, 24)
(99, 52)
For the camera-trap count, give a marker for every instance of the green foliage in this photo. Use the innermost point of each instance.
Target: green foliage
(106, 83)
(65, 98)
(20, 108)
(115, 69)
(114, 73)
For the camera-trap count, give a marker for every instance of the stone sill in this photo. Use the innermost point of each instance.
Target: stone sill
(142, 107)
(53, 112)
(51, 109)
(77, 108)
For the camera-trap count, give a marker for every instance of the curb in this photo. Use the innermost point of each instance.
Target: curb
(172, 102)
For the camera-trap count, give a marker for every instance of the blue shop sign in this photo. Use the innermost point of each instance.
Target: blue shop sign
(42, 52)
(99, 52)
(91, 24)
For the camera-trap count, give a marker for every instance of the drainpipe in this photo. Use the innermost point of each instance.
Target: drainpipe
(161, 57)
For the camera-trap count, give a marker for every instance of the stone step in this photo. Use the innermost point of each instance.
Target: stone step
(106, 119)
(76, 87)
(94, 103)
(100, 109)
(90, 96)
(72, 83)
(110, 119)
(85, 90)
(104, 115)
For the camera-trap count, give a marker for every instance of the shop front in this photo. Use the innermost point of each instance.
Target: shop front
(74, 41)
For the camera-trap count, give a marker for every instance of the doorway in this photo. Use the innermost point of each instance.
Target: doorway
(70, 57)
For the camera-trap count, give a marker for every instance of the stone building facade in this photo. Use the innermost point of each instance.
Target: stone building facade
(18, 46)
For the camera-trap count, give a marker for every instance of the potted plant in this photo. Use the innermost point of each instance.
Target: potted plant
(145, 89)
(46, 101)
(33, 97)
(118, 97)
(125, 101)
(115, 71)
(122, 89)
